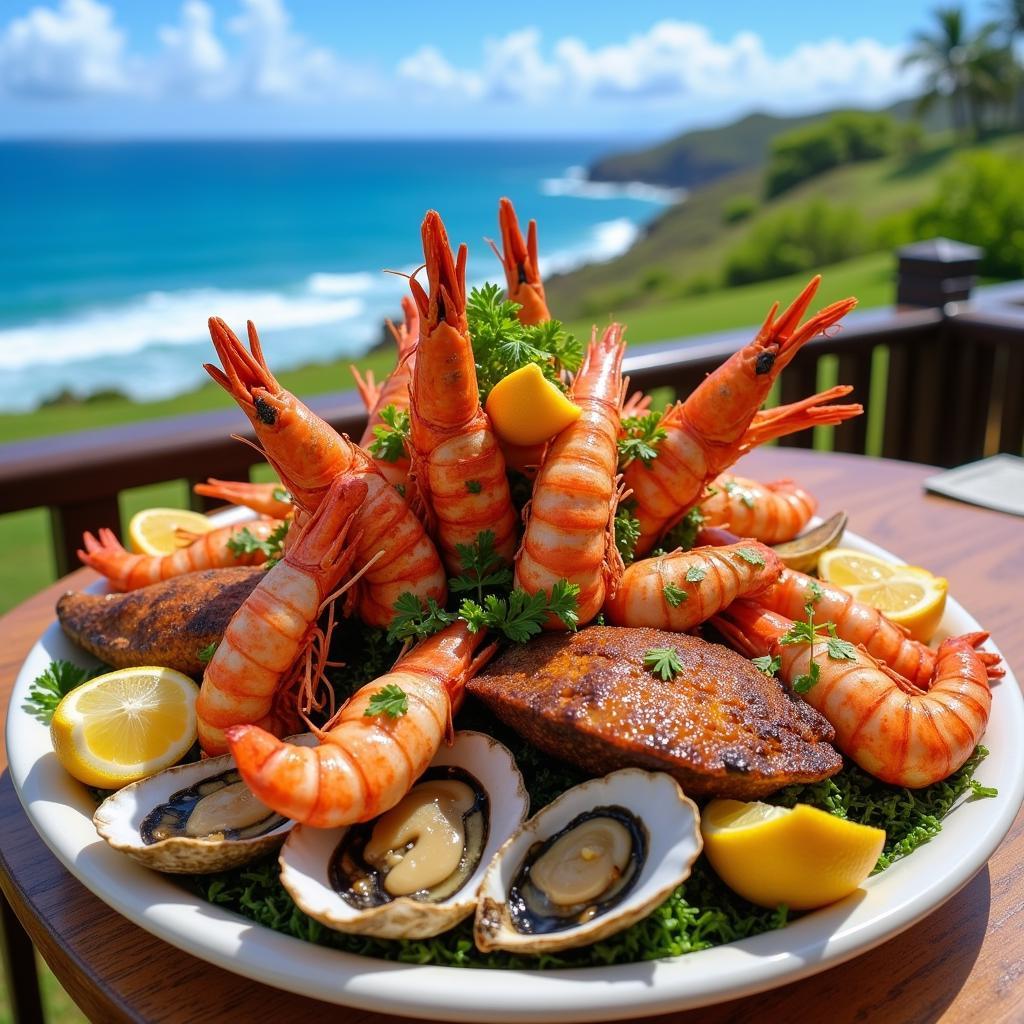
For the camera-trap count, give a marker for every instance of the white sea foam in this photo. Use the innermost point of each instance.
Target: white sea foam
(162, 318)
(607, 240)
(342, 284)
(576, 183)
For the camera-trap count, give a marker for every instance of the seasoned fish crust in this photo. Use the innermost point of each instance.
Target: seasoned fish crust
(720, 727)
(167, 623)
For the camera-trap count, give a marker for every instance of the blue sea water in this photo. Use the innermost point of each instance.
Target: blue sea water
(115, 254)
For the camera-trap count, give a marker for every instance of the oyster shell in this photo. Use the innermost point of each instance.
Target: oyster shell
(329, 873)
(192, 819)
(591, 863)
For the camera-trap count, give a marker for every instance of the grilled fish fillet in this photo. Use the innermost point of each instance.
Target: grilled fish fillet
(167, 623)
(720, 726)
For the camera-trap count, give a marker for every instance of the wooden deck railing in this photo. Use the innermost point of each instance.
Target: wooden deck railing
(951, 380)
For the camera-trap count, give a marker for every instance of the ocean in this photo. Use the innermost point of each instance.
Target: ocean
(115, 254)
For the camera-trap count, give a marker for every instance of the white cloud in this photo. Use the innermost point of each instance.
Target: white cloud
(75, 50)
(672, 59)
(193, 62)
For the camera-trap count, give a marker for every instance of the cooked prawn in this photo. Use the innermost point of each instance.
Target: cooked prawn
(394, 391)
(519, 260)
(366, 762)
(682, 589)
(268, 499)
(772, 513)
(128, 571)
(266, 639)
(719, 421)
(569, 530)
(308, 455)
(458, 467)
(891, 728)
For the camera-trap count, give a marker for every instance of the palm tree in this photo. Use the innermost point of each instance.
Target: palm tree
(1010, 18)
(944, 54)
(992, 74)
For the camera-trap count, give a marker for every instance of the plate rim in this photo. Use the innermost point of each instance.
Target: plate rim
(813, 943)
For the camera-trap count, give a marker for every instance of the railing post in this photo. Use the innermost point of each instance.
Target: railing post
(935, 272)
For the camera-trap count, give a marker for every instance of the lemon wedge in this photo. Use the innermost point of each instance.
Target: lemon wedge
(906, 594)
(526, 408)
(153, 531)
(799, 856)
(125, 725)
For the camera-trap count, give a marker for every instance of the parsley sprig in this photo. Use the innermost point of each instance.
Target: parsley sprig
(810, 632)
(664, 662)
(502, 344)
(53, 684)
(390, 700)
(627, 533)
(522, 615)
(482, 567)
(390, 437)
(246, 543)
(767, 664)
(675, 595)
(640, 438)
(414, 622)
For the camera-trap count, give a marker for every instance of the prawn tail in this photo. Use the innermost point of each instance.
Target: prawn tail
(367, 386)
(993, 663)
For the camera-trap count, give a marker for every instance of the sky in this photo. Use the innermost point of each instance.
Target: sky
(279, 68)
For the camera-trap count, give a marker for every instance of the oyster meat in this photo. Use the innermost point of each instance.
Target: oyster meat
(193, 818)
(591, 863)
(412, 872)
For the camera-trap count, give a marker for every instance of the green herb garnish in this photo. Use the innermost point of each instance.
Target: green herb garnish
(244, 542)
(413, 621)
(474, 486)
(482, 567)
(640, 438)
(205, 654)
(53, 684)
(522, 615)
(767, 664)
(674, 595)
(695, 574)
(501, 344)
(627, 533)
(664, 662)
(390, 437)
(282, 494)
(751, 556)
(390, 700)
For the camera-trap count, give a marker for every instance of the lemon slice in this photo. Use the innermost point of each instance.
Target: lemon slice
(526, 408)
(125, 725)
(916, 601)
(906, 594)
(799, 856)
(153, 531)
(844, 566)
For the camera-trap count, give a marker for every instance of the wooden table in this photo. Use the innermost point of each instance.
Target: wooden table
(963, 963)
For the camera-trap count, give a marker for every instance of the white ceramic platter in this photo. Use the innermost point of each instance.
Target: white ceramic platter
(61, 810)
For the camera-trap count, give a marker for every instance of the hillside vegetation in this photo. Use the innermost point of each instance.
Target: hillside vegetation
(698, 246)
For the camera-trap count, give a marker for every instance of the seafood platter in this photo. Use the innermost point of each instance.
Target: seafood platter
(523, 697)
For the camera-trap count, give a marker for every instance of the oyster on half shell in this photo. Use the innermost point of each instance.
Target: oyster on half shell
(591, 863)
(414, 871)
(193, 818)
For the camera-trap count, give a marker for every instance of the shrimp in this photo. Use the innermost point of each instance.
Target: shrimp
(569, 521)
(522, 271)
(891, 728)
(366, 761)
(127, 571)
(856, 622)
(772, 512)
(267, 499)
(394, 391)
(308, 454)
(719, 421)
(682, 589)
(458, 467)
(266, 639)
